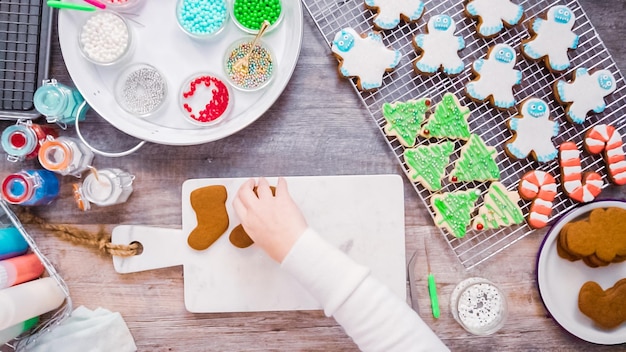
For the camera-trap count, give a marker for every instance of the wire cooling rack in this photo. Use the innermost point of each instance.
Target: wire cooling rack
(25, 28)
(403, 84)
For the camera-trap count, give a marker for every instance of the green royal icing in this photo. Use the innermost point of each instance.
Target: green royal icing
(455, 210)
(476, 162)
(428, 163)
(498, 209)
(449, 120)
(404, 119)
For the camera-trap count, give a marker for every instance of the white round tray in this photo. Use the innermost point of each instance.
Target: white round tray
(158, 41)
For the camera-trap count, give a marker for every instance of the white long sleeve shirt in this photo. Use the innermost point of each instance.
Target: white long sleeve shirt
(374, 317)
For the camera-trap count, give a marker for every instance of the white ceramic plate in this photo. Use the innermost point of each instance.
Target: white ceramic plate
(158, 41)
(560, 281)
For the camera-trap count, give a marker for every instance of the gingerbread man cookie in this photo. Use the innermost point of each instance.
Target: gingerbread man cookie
(439, 47)
(493, 15)
(533, 131)
(364, 57)
(389, 12)
(552, 38)
(495, 77)
(585, 93)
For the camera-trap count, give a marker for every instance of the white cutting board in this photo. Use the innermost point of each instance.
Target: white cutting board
(361, 215)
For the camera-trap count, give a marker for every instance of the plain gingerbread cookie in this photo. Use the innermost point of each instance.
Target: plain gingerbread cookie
(209, 203)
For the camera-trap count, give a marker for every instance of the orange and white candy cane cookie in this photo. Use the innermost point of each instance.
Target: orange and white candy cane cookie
(605, 138)
(580, 186)
(540, 187)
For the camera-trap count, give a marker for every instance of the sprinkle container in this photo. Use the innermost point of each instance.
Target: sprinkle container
(261, 65)
(59, 103)
(202, 19)
(104, 187)
(141, 90)
(65, 156)
(105, 38)
(31, 187)
(478, 306)
(205, 99)
(248, 15)
(23, 140)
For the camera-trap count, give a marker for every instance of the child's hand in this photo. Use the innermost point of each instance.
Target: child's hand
(273, 222)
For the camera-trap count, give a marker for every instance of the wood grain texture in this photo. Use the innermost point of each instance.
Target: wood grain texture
(317, 127)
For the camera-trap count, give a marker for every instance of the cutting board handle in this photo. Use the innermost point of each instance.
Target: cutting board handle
(162, 248)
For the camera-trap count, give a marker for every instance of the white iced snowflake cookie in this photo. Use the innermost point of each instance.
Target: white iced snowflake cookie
(439, 47)
(552, 38)
(495, 77)
(533, 130)
(390, 12)
(493, 15)
(585, 93)
(364, 57)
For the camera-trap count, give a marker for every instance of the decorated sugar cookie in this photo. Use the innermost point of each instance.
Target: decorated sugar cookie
(607, 140)
(493, 15)
(495, 77)
(404, 119)
(427, 163)
(439, 47)
(540, 188)
(500, 208)
(552, 38)
(476, 163)
(364, 57)
(448, 121)
(585, 93)
(578, 185)
(453, 210)
(533, 130)
(389, 12)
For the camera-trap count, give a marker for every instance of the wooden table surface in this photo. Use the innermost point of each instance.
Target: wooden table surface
(317, 127)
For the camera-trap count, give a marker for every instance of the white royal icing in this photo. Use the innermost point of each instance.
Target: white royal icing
(439, 47)
(493, 14)
(496, 77)
(365, 58)
(585, 93)
(553, 38)
(390, 11)
(533, 130)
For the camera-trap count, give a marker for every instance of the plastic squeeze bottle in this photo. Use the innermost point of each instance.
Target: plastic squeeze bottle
(16, 330)
(28, 300)
(12, 243)
(20, 269)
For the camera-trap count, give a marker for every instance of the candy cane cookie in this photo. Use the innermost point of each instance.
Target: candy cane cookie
(580, 186)
(607, 140)
(540, 188)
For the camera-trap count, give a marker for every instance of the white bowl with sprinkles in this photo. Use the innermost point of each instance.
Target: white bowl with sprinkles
(260, 69)
(122, 5)
(205, 99)
(105, 38)
(479, 306)
(202, 19)
(141, 89)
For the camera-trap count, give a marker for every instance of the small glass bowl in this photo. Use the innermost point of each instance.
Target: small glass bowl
(105, 38)
(122, 5)
(479, 306)
(261, 65)
(252, 26)
(205, 99)
(201, 23)
(141, 90)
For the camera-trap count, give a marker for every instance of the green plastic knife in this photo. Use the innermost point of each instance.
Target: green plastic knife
(432, 288)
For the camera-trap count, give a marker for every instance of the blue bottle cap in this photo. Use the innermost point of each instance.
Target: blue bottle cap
(19, 140)
(50, 100)
(12, 243)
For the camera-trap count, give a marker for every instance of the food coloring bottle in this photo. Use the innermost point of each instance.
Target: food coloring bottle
(59, 103)
(17, 270)
(16, 330)
(31, 187)
(28, 300)
(12, 243)
(104, 187)
(65, 156)
(22, 140)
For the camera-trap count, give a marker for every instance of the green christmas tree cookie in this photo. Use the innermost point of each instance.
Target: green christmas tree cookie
(448, 121)
(454, 210)
(427, 163)
(404, 119)
(500, 208)
(477, 162)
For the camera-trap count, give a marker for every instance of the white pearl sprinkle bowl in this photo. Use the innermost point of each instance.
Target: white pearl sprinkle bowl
(105, 38)
(141, 90)
(479, 306)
